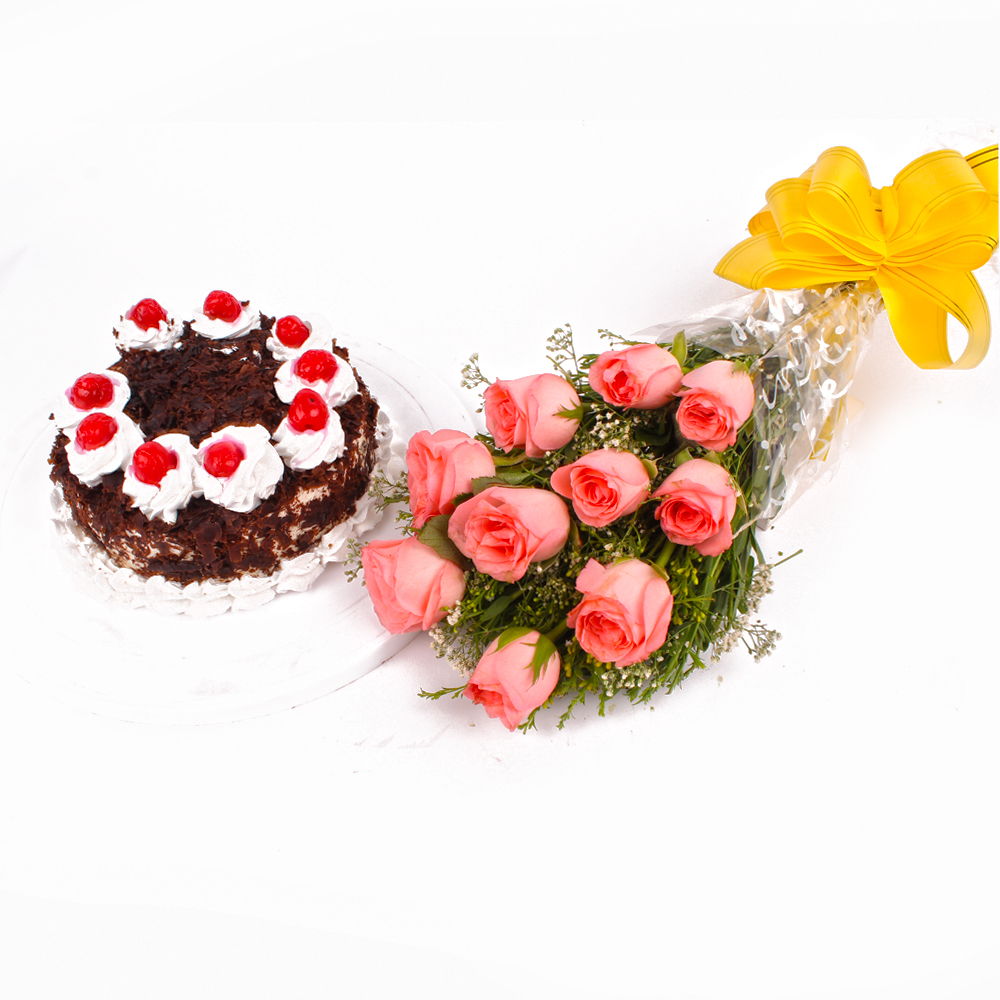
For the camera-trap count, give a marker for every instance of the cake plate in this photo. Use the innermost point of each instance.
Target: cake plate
(140, 665)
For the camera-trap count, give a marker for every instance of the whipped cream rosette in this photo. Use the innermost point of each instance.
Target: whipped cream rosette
(237, 467)
(160, 476)
(102, 390)
(101, 444)
(291, 336)
(147, 327)
(311, 434)
(224, 317)
(320, 370)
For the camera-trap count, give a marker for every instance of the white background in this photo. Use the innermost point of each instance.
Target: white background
(452, 177)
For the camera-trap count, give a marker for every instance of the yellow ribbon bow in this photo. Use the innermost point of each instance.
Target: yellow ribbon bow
(917, 239)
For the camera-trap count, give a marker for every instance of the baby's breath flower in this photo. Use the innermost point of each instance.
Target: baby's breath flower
(760, 587)
(472, 376)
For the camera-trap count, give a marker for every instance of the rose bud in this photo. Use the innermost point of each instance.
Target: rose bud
(527, 413)
(603, 485)
(439, 467)
(625, 612)
(410, 585)
(715, 405)
(504, 679)
(643, 377)
(504, 529)
(699, 501)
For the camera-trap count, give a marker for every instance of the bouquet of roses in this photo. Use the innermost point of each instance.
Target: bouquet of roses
(601, 539)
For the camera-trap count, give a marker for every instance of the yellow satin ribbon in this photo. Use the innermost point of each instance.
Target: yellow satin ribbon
(918, 239)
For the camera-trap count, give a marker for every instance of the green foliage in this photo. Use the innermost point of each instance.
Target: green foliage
(435, 535)
(679, 348)
(352, 562)
(388, 491)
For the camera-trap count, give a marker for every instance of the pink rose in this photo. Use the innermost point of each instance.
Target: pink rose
(524, 413)
(603, 485)
(439, 467)
(699, 501)
(504, 529)
(625, 612)
(410, 585)
(504, 681)
(717, 402)
(642, 377)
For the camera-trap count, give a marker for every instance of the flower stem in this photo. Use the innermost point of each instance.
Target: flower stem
(665, 553)
(798, 552)
(558, 632)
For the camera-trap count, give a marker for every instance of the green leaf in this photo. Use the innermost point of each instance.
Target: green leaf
(575, 540)
(434, 534)
(544, 649)
(679, 348)
(497, 607)
(650, 467)
(513, 477)
(512, 635)
(503, 477)
(516, 459)
(481, 483)
(576, 413)
(544, 646)
(661, 570)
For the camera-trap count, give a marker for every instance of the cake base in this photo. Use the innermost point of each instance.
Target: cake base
(205, 598)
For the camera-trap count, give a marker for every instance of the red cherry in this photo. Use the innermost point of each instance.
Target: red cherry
(308, 411)
(223, 458)
(91, 391)
(291, 331)
(315, 366)
(146, 314)
(222, 305)
(152, 461)
(95, 431)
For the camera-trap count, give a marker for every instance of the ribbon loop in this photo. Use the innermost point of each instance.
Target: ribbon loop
(841, 199)
(918, 239)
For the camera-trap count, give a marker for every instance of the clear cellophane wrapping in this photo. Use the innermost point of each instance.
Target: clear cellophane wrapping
(805, 346)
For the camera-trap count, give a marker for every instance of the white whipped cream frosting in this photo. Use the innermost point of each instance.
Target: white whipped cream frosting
(342, 387)
(254, 479)
(131, 337)
(307, 449)
(67, 416)
(219, 329)
(318, 340)
(175, 489)
(90, 466)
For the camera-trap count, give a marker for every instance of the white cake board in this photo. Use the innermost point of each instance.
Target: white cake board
(142, 666)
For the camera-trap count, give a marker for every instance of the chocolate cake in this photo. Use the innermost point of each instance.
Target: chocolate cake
(216, 448)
